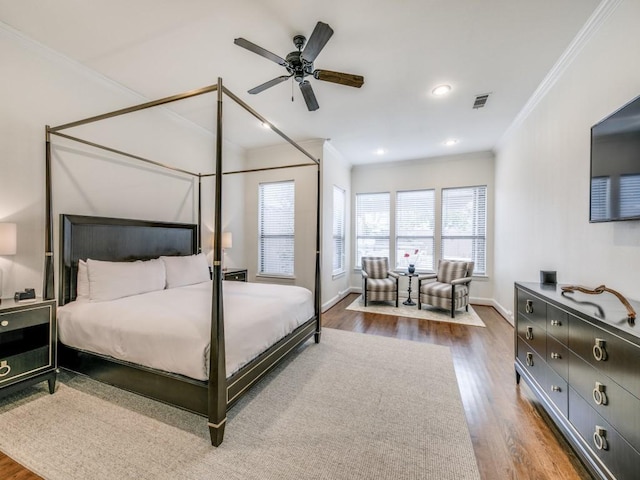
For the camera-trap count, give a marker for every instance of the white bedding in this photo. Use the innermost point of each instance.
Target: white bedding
(169, 329)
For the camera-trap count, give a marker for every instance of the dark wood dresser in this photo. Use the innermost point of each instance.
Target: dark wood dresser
(581, 357)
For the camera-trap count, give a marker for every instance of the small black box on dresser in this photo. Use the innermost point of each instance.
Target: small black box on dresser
(28, 334)
(580, 355)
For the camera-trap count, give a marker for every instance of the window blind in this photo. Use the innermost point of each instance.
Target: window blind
(338, 230)
(600, 198)
(276, 228)
(464, 225)
(630, 195)
(415, 228)
(372, 225)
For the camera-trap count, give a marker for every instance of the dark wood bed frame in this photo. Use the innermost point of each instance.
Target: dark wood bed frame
(113, 239)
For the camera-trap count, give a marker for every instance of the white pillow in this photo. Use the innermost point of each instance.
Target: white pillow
(82, 285)
(186, 270)
(111, 280)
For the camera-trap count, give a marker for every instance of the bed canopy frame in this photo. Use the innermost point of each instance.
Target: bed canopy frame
(214, 397)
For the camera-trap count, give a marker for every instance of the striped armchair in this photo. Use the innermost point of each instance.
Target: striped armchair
(379, 283)
(449, 288)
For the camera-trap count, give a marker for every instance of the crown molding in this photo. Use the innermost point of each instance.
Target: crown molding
(586, 33)
(58, 58)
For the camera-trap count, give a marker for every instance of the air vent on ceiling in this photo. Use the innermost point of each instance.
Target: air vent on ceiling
(480, 100)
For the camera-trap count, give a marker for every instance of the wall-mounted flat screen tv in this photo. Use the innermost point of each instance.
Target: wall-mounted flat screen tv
(615, 166)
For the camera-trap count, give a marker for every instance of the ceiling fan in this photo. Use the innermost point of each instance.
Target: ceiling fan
(299, 64)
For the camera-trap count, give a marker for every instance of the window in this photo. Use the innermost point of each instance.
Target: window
(338, 230)
(600, 198)
(629, 195)
(464, 214)
(276, 228)
(372, 225)
(415, 222)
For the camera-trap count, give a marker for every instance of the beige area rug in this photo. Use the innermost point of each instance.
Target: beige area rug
(426, 313)
(354, 406)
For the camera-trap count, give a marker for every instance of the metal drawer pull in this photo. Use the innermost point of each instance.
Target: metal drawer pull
(555, 355)
(529, 359)
(599, 352)
(529, 306)
(529, 333)
(556, 323)
(555, 388)
(4, 323)
(4, 365)
(599, 395)
(600, 438)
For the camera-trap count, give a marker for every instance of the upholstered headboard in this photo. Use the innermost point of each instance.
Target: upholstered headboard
(117, 240)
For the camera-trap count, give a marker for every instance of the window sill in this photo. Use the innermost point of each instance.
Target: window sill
(273, 275)
(335, 276)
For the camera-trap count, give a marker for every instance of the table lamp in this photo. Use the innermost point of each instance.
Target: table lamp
(227, 242)
(8, 243)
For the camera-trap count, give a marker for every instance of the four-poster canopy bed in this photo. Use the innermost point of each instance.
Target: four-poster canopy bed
(121, 240)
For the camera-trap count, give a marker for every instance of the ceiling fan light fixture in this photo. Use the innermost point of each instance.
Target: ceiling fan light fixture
(441, 90)
(451, 142)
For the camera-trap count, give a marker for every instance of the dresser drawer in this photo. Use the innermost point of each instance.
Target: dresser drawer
(236, 276)
(533, 308)
(610, 400)
(610, 354)
(532, 334)
(23, 363)
(621, 459)
(532, 362)
(558, 357)
(558, 324)
(557, 390)
(16, 320)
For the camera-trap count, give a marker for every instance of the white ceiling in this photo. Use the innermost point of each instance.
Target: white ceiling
(403, 48)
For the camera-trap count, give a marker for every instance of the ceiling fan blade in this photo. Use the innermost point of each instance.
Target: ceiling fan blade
(309, 96)
(269, 84)
(241, 42)
(318, 39)
(347, 79)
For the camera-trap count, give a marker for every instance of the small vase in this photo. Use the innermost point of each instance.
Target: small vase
(411, 268)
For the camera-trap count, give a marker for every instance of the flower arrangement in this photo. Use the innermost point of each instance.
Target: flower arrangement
(412, 259)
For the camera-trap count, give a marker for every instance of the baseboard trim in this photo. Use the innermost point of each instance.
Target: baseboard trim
(332, 301)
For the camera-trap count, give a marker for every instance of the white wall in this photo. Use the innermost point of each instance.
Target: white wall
(542, 173)
(41, 87)
(450, 171)
(336, 171)
(306, 180)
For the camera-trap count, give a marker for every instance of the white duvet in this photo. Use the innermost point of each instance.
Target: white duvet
(170, 329)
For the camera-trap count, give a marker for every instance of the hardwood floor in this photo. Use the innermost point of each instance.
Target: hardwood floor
(511, 438)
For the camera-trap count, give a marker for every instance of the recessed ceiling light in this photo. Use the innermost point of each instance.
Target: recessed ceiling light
(450, 142)
(380, 151)
(441, 90)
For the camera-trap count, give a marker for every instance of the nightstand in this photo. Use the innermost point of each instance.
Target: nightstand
(235, 274)
(28, 332)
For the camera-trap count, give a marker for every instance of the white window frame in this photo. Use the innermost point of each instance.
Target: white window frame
(372, 227)
(476, 231)
(339, 224)
(285, 267)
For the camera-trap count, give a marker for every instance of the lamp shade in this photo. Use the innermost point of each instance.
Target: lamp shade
(8, 238)
(227, 240)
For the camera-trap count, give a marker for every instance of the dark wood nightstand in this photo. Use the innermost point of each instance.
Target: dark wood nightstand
(235, 274)
(28, 332)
